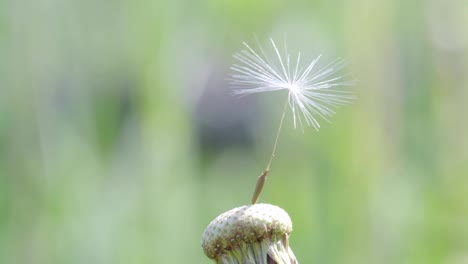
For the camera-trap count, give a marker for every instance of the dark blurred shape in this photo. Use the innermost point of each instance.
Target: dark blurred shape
(221, 120)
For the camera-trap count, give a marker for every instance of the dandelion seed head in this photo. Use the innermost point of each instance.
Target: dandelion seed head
(313, 92)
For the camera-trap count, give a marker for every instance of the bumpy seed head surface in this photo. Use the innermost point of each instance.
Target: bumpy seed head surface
(245, 224)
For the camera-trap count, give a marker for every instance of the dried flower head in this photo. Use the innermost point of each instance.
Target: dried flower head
(256, 233)
(312, 92)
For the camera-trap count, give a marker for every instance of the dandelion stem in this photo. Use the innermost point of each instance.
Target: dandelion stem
(262, 178)
(277, 135)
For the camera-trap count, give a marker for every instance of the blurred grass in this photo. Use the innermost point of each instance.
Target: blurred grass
(103, 106)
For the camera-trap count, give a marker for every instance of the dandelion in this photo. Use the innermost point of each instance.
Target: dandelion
(313, 92)
(259, 233)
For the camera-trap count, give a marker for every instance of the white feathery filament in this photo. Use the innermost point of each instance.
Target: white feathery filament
(312, 92)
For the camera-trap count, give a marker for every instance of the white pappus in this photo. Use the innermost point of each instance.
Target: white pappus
(312, 91)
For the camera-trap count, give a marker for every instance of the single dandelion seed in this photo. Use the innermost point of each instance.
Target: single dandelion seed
(313, 92)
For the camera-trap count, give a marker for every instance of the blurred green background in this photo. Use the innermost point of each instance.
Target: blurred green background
(119, 141)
